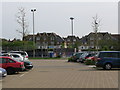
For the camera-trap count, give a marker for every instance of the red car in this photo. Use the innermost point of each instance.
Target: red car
(91, 58)
(11, 65)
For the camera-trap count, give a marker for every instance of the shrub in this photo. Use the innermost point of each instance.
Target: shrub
(89, 62)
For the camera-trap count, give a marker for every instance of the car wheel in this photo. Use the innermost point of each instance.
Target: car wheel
(108, 66)
(10, 71)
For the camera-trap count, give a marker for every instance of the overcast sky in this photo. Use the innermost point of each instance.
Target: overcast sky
(54, 17)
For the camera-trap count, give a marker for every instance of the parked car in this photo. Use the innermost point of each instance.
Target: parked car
(7, 55)
(108, 59)
(87, 56)
(11, 65)
(90, 59)
(28, 65)
(83, 57)
(3, 72)
(23, 53)
(90, 56)
(19, 57)
(75, 57)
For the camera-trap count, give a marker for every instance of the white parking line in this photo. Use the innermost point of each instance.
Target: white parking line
(92, 66)
(22, 75)
(25, 73)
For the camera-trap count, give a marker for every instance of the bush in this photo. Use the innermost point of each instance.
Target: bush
(89, 62)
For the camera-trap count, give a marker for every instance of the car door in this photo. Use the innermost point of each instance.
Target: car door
(11, 63)
(3, 63)
(116, 59)
(0, 62)
(119, 59)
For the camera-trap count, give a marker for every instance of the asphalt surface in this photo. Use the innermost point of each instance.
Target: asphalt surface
(61, 74)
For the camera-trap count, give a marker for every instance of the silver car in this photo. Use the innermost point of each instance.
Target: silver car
(3, 72)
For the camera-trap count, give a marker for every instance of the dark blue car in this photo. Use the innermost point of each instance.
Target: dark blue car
(108, 59)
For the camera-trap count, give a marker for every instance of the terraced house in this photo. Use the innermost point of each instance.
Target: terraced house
(45, 43)
(46, 40)
(100, 41)
(72, 42)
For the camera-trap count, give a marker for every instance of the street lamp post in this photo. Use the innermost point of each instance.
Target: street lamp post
(33, 10)
(71, 18)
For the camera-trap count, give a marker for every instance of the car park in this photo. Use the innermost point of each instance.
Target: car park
(3, 72)
(12, 66)
(108, 59)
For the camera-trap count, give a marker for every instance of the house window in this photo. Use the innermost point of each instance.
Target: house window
(74, 40)
(30, 39)
(52, 38)
(68, 39)
(91, 38)
(99, 38)
(38, 38)
(92, 43)
(44, 38)
(52, 43)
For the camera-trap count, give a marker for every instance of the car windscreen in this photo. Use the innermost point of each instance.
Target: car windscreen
(17, 60)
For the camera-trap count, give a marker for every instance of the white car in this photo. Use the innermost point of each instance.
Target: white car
(23, 53)
(15, 56)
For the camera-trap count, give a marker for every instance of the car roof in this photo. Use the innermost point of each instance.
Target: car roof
(17, 51)
(109, 51)
(12, 53)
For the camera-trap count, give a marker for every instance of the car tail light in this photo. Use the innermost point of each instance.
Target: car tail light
(26, 56)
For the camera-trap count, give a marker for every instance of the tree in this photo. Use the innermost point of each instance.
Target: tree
(95, 25)
(21, 20)
(109, 44)
(17, 45)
